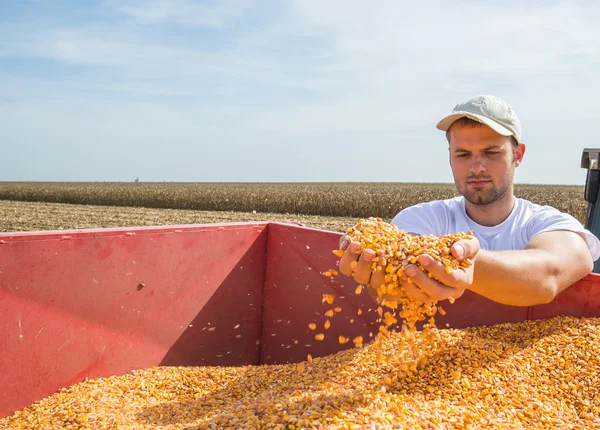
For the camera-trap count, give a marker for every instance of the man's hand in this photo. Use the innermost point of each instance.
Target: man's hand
(362, 273)
(426, 289)
(422, 288)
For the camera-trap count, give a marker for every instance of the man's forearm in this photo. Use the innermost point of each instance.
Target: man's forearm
(517, 278)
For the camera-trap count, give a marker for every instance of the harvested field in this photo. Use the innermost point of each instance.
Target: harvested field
(356, 200)
(31, 216)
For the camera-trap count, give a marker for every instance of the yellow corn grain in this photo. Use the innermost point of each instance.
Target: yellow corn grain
(327, 324)
(320, 336)
(328, 298)
(312, 326)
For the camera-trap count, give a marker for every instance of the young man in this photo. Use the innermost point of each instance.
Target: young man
(523, 254)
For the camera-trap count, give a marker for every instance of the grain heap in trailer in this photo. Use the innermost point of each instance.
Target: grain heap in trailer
(248, 325)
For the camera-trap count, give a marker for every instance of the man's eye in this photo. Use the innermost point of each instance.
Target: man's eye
(462, 155)
(493, 153)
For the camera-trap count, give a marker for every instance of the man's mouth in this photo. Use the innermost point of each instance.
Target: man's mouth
(477, 182)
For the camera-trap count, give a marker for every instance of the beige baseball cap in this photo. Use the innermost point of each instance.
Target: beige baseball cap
(489, 110)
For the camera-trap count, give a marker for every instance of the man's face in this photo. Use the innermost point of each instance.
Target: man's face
(483, 162)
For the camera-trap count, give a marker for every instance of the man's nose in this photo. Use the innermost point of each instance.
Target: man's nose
(477, 166)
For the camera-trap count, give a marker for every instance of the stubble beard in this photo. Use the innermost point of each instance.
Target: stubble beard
(484, 197)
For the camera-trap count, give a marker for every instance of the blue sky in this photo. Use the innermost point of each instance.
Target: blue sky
(180, 90)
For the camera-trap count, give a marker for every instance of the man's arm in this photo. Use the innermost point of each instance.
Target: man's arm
(551, 262)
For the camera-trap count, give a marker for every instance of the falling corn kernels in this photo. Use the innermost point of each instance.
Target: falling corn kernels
(338, 309)
(343, 339)
(327, 324)
(328, 298)
(358, 289)
(329, 313)
(312, 326)
(320, 336)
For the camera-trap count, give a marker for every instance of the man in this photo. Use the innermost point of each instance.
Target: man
(523, 254)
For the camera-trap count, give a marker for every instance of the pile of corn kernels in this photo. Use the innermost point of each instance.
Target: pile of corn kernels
(533, 375)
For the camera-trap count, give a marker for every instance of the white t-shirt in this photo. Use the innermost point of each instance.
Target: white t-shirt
(526, 220)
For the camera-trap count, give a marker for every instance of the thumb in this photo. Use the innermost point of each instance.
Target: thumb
(465, 248)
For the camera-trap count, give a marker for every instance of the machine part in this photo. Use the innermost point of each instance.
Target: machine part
(590, 160)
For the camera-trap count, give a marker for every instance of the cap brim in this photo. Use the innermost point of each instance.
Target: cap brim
(446, 122)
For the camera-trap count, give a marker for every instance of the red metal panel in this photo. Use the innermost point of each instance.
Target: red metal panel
(94, 303)
(294, 288)
(582, 299)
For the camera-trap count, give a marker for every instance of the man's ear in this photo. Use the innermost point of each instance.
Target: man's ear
(519, 153)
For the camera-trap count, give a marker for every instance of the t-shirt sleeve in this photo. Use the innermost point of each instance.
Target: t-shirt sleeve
(551, 219)
(421, 219)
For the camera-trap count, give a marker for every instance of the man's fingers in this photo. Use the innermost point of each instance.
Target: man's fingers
(431, 287)
(437, 269)
(344, 241)
(377, 279)
(350, 255)
(465, 248)
(362, 274)
(417, 294)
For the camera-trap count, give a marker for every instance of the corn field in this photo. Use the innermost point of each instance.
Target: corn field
(324, 199)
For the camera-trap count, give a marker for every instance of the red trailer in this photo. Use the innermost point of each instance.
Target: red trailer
(93, 303)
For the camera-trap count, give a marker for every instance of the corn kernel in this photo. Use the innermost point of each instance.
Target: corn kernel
(329, 298)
